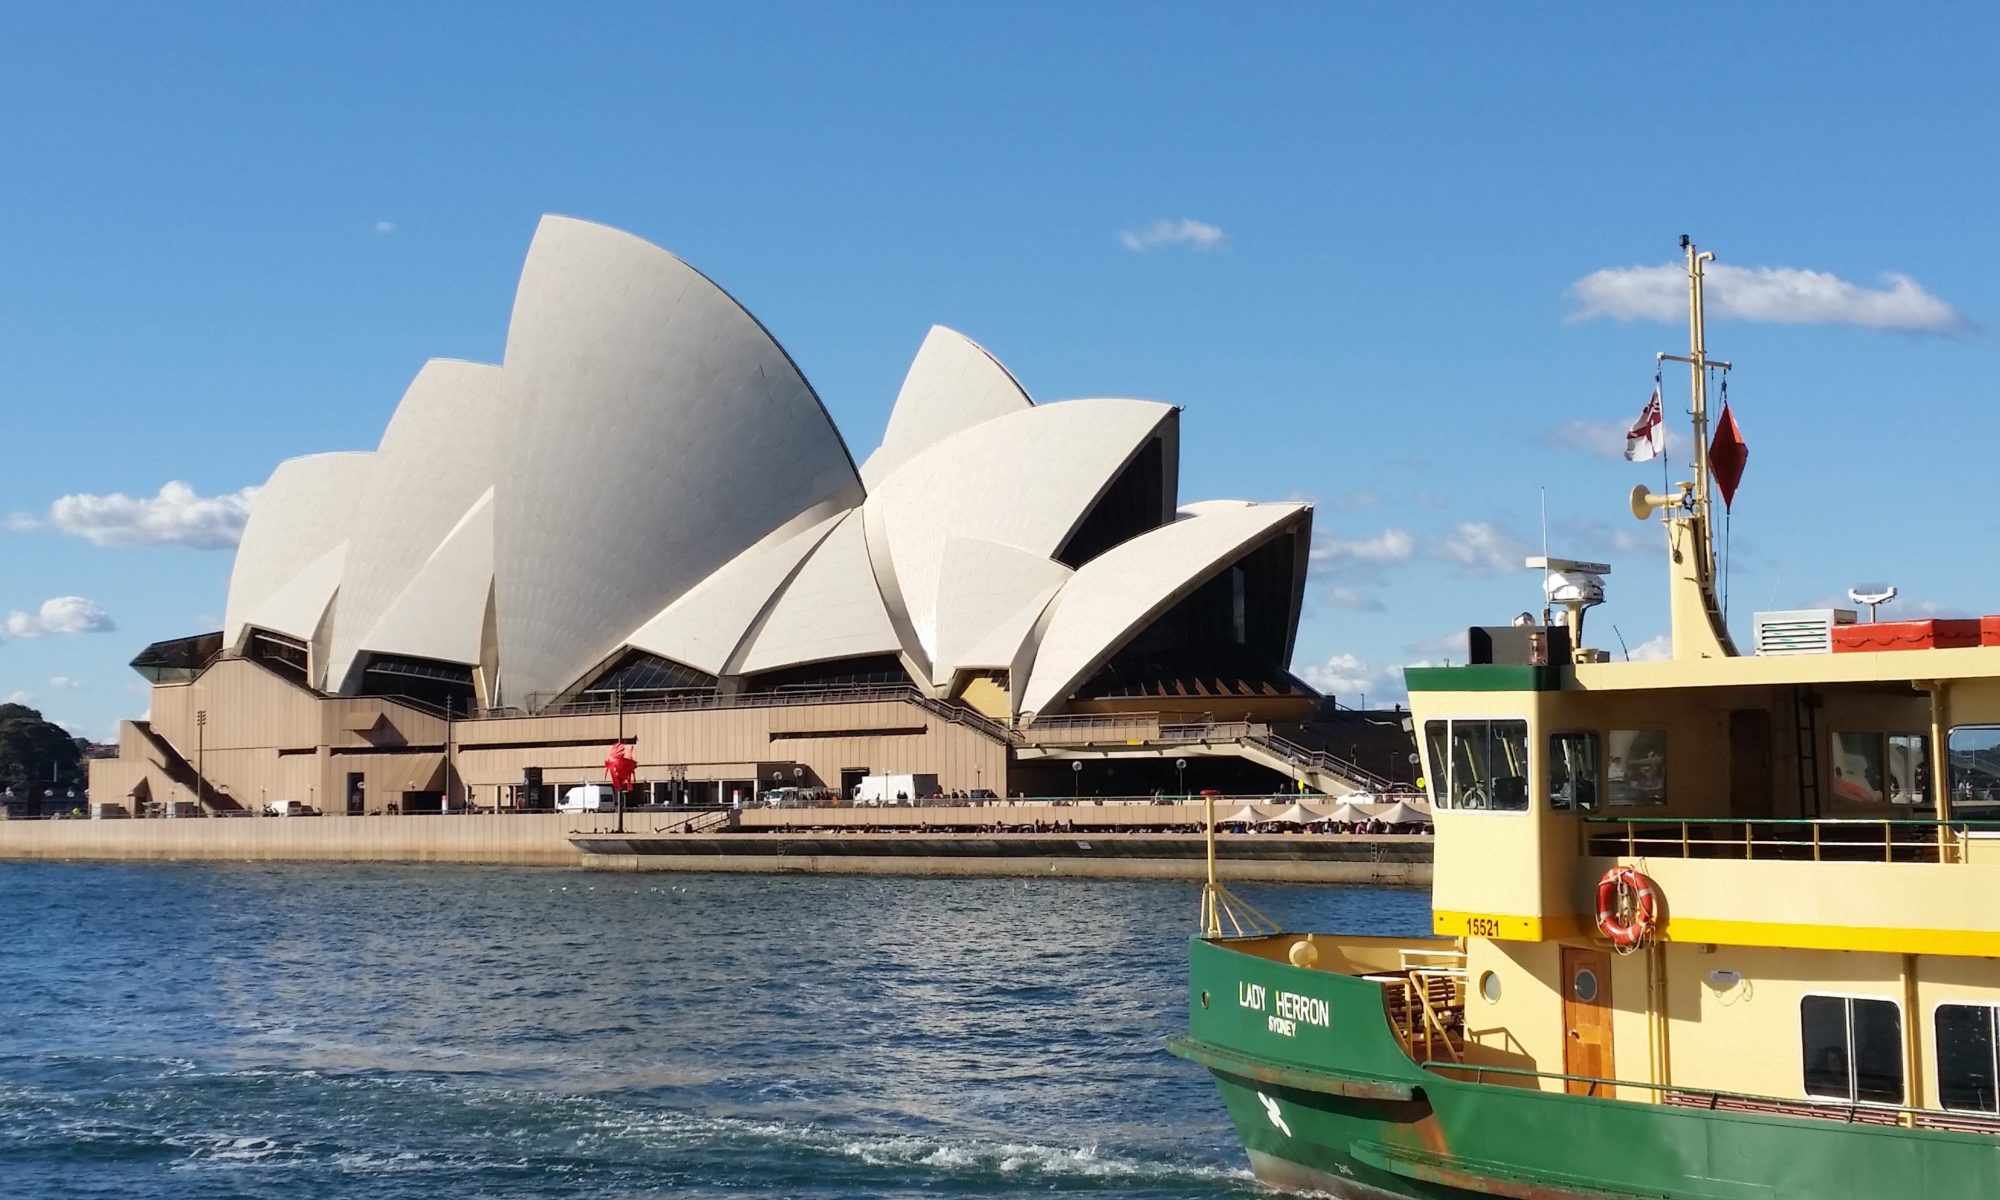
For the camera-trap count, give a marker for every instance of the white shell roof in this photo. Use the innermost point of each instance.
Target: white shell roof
(299, 608)
(1024, 480)
(299, 515)
(648, 469)
(651, 432)
(982, 587)
(434, 463)
(704, 627)
(953, 384)
(829, 610)
(1116, 595)
(441, 612)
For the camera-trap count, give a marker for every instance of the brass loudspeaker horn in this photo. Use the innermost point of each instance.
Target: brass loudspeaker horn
(1644, 502)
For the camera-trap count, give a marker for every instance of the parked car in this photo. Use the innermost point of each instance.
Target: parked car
(289, 808)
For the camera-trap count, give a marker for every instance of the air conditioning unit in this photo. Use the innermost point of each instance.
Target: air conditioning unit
(1799, 630)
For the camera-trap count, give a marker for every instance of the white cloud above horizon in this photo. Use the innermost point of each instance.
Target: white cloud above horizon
(1599, 439)
(1480, 548)
(177, 516)
(1185, 232)
(1348, 599)
(1658, 649)
(385, 227)
(1780, 295)
(1391, 545)
(60, 616)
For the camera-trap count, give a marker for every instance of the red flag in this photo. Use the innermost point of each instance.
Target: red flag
(1727, 455)
(1648, 436)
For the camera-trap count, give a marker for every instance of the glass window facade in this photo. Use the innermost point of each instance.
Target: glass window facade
(1968, 1073)
(1478, 764)
(1852, 1049)
(1573, 772)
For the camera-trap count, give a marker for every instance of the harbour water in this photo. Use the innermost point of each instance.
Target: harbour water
(371, 1032)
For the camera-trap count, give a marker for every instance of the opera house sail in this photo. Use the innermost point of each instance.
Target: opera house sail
(644, 509)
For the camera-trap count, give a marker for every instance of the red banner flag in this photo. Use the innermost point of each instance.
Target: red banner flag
(1727, 455)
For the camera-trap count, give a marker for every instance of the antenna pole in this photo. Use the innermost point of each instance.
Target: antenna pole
(1699, 363)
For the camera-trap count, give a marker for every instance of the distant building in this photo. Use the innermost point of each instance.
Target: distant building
(643, 521)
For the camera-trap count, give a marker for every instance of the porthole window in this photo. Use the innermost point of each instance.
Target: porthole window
(1584, 987)
(1489, 987)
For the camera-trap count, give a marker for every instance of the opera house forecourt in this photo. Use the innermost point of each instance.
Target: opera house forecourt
(642, 524)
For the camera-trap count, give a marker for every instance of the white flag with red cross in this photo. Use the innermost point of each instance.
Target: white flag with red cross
(1647, 439)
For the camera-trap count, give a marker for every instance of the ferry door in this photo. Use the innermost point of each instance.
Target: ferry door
(1586, 978)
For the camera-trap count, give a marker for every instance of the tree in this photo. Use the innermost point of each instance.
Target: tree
(32, 749)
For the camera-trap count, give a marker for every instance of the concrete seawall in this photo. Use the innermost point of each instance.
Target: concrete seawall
(544, 839)
(1298, 858)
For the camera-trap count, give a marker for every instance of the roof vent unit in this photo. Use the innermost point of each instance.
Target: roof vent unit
(1800, 630)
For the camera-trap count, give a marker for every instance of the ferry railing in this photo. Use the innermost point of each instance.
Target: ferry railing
(1713, 1100)
(1825, 839)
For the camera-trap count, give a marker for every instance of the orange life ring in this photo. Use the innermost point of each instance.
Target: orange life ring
(1645, 907)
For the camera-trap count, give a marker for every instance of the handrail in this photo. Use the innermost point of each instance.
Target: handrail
(1931, 823)
(1821, 839)
(1479, 1070)
(781, 698)
(1321, 760)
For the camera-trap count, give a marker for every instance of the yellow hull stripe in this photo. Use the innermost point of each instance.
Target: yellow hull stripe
(1954, 943)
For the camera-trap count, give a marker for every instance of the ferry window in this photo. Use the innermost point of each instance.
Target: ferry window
(1974, 754)
(1573, 772)
(1871, 769)
(1479, 764)
(1968, 1072)
(1637, 772)
(1853, 1049)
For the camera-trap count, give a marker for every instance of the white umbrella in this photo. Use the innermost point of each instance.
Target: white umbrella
(1348, 814)
(1400, 813)
(1299, 814)
(1247, 815)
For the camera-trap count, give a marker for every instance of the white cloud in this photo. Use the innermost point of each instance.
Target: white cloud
(21, 522)
(1599, 439)
(175, 517)
(1340, 674)
(385, 227)
(1349, 678)
(61, 616)
(1588, 536)
(1353, 601)
(1391, 545)
(19, 698)
(1443, 651)
(1785, 295)
(64, 681)
(1658, 649)
(1184, 232)
(1481, 548)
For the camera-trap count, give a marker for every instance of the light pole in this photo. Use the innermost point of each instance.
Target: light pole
(1180, 767)
(200, 758)
(1076, 779)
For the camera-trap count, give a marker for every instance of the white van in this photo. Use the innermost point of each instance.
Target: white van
(895, 789)
(289, 808)
(591, 797)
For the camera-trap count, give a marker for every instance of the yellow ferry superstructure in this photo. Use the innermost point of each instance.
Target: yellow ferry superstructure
(1812, 1011)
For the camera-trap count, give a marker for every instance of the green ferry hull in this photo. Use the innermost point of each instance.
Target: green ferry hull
(1324, 1098)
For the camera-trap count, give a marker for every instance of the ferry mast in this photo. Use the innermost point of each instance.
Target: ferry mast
(1698, 628)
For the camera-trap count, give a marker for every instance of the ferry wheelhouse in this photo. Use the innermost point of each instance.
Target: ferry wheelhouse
(1718, 927)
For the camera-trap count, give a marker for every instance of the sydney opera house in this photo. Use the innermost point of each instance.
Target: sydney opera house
(643, 523)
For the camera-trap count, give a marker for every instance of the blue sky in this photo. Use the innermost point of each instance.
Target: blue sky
(232, 233)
